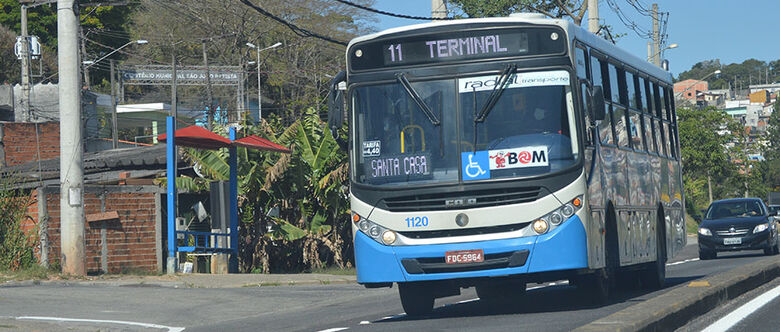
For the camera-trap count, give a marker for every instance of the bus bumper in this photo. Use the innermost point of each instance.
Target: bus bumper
(563, 248)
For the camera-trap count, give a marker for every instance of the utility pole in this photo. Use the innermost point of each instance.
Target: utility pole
(438, 8)
(71, 149)
(84, 56)
(593, 16)
(25, 54)
(209, 97)
(114, 122)
(656, 37)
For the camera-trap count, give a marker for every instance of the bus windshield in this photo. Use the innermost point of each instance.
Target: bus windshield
(528, 132)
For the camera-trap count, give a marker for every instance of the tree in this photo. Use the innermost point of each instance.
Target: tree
(772, 150)
(574, 9)
(293, 76)
(706, 163)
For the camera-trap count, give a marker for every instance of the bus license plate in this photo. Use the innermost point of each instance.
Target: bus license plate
(464, 256)
(732, 240)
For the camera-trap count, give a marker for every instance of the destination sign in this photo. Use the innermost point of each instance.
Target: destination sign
(402, 167)
(456, 46)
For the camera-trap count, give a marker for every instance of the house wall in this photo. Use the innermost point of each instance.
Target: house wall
(19, 143)
(132, 241)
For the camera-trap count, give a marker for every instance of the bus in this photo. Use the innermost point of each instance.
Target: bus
(497, 152)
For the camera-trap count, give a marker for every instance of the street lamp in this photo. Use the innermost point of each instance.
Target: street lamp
(651, 58)
(259, 91)
(92, 63)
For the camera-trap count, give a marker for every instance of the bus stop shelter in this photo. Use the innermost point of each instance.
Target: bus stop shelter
(200, 138)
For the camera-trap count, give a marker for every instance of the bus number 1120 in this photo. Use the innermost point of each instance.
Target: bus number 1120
(413, 222)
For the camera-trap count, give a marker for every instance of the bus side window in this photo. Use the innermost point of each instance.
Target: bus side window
(659, 129)
(671, 127)
(597, 71)
(618, 97)
(582, 60)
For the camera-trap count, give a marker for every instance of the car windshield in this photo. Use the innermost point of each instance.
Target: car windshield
(748, 208)
(528, 132)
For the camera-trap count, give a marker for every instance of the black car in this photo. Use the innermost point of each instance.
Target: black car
(738, 224)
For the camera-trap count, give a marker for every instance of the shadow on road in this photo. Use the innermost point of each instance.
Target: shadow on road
(547, 299)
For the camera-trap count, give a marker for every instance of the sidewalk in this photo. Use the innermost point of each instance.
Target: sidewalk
(197, 280)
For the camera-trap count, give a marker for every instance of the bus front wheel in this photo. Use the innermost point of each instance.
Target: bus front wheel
(416, 299)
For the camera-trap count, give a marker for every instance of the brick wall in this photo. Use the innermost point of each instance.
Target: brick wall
(131, 239)
(19, 143)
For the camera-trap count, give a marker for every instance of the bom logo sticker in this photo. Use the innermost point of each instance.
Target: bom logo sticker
(532, 156)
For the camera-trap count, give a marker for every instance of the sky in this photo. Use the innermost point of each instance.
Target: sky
(730, 30)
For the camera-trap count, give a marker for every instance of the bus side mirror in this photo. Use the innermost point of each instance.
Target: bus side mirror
(597, 103)
(336, 104)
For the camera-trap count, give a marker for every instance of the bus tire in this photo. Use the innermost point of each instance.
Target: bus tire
(654, 274)
(416, 299)
(501, 292)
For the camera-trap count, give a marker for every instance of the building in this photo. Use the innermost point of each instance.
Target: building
(125, 228)
(772, 88)
(688, 89)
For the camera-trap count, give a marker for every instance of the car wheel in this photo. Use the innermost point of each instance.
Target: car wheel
(705, 254)
(416, 299)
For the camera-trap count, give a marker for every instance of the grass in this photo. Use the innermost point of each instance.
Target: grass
(335, 271)
(691, 225)
(35, 272)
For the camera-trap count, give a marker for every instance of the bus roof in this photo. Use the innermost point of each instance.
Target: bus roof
(574, 31)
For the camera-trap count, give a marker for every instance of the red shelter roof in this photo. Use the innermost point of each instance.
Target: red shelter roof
(198, 137)
(259, 143)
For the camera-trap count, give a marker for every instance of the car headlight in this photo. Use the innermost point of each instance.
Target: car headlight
(705, 231)
(374, 231)
(760, 228)
(557, 216)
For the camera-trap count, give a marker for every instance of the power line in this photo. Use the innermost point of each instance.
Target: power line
(382, 12)
(297, 30)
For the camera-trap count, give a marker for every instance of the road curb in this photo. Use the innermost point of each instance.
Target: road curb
(171, 284)
(86, 283)
(676, 307)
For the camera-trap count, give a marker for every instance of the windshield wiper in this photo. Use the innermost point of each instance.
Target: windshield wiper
(416, 97)
(498, 89)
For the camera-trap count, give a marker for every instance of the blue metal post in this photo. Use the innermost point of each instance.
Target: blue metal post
(233, 162)
(170, 161)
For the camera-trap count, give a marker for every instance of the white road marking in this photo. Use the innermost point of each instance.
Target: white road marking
(745, 310)
(467, 301)
(145, 325)
(364, 322)
(682, 262)
(335, 329)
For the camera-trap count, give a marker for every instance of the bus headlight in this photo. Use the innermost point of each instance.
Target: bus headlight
(388, 237)
(378, 233)
(540, 226)
(557, 216)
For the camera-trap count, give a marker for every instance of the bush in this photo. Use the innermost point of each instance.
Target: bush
(17, 247)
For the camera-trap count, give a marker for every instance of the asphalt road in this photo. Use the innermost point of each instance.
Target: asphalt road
(323, 307)
(743, 314)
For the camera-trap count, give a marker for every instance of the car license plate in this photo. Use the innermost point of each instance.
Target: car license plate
(732, 240)
(464, 256)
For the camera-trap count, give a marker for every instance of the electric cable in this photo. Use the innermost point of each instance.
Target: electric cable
(382, 12)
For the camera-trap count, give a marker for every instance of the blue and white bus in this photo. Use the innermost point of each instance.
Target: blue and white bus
(496, 152)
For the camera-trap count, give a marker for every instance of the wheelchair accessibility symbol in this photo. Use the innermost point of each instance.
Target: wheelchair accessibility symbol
(475, 165)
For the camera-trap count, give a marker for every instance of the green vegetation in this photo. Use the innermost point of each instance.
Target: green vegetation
(750, 71)
(17, 245)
